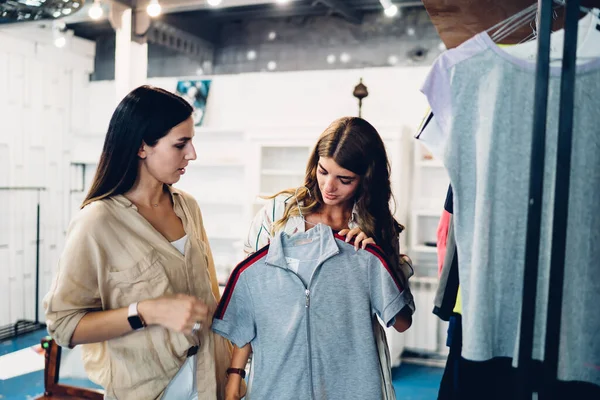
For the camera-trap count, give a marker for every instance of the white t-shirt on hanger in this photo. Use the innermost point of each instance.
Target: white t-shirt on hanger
(430, 134)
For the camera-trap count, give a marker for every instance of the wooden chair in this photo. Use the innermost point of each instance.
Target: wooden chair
(54, 390)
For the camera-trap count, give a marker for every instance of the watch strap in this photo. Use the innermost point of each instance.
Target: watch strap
(239, 371)
(132, 311)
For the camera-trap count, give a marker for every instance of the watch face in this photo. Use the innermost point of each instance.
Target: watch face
(135, 322)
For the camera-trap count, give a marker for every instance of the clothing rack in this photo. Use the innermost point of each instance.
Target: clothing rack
(559, 226)
(23, 326)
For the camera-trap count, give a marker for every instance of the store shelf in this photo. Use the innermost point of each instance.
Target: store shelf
(220, 202)
(427, 280)
(217, 163)
(424, 249)
(430, 163)
(223, 236)
(281, 172)
(428, 213)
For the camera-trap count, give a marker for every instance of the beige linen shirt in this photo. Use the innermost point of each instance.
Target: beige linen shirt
(114, 257)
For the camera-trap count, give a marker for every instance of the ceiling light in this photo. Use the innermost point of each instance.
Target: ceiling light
(66, 11)
(251, 55)
(59, 26)
(214, 3)
(60, 42)
(272, 65)
(391, 11)
(410, 31)
(282, 1)
(95, 12)
(344, 57)
(154, 9)
(392, 60)
(272, 35)
(331, 59)
(199, 71)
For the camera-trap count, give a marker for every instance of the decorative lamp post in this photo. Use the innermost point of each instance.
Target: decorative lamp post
(360, 92)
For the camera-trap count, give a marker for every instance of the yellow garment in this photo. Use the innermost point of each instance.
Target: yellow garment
(458, 305)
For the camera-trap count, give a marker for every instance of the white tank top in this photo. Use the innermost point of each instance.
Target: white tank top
(179, 244)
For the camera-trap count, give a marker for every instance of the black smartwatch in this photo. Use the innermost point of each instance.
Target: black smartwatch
(135, 321)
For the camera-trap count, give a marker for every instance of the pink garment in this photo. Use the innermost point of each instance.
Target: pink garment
(442, 237)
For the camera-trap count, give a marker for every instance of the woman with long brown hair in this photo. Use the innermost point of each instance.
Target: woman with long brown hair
(136, 283)
(346, 195)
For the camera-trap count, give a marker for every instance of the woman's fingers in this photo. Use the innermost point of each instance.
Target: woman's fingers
(366, 242)
(359, 238)
(352, 233)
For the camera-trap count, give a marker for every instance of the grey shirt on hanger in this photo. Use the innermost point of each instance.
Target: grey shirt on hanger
(482, 98)
(311, 340)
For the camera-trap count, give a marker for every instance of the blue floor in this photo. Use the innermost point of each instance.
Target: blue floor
(412, 382)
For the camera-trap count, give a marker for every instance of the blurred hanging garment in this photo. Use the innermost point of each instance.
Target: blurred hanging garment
(482, 98)
(430, 134)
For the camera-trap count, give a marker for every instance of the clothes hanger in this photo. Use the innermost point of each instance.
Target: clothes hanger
(504, 28)
(298, 204)
(508, 26)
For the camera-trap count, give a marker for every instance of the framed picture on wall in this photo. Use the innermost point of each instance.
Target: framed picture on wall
(195, 91)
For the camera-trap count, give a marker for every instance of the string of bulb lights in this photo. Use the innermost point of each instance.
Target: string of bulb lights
(154, 9)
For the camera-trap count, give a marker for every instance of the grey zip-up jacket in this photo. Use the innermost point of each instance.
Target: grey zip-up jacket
(312, 340)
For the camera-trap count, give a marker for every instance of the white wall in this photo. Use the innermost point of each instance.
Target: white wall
(302, 104)
(43, 106)
(52, 116)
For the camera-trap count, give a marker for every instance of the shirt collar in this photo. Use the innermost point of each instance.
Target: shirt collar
(321, 235)
(296, 224)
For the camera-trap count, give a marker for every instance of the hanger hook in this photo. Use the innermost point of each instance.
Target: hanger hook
(298, 202)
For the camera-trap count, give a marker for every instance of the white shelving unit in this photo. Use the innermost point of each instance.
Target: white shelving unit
(218, 181)
(279, 164)
(429, 187)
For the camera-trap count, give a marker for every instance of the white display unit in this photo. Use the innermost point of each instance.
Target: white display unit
(280, 164)
(218, 181)
(429, 187)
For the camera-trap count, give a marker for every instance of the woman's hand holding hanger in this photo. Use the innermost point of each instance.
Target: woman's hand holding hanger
(360, 238)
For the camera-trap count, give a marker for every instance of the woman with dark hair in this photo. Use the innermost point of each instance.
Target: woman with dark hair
(136, 284)
(317, 279)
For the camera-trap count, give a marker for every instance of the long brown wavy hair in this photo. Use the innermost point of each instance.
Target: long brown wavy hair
(355, 145)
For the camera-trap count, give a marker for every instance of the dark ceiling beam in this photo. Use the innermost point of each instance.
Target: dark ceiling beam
(204, 28)
(344, 10)
(260, 12)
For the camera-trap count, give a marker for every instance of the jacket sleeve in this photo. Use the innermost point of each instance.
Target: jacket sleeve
(74, 290)
(389, 295)
(234, 318)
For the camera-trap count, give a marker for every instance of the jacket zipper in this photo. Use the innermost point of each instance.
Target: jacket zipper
(307, 307)
(309, 352)
(310, 371)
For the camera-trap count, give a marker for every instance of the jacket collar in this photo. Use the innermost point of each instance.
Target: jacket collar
(320, 235)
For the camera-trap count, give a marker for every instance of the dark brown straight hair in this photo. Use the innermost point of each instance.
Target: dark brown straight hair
(144, 116)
